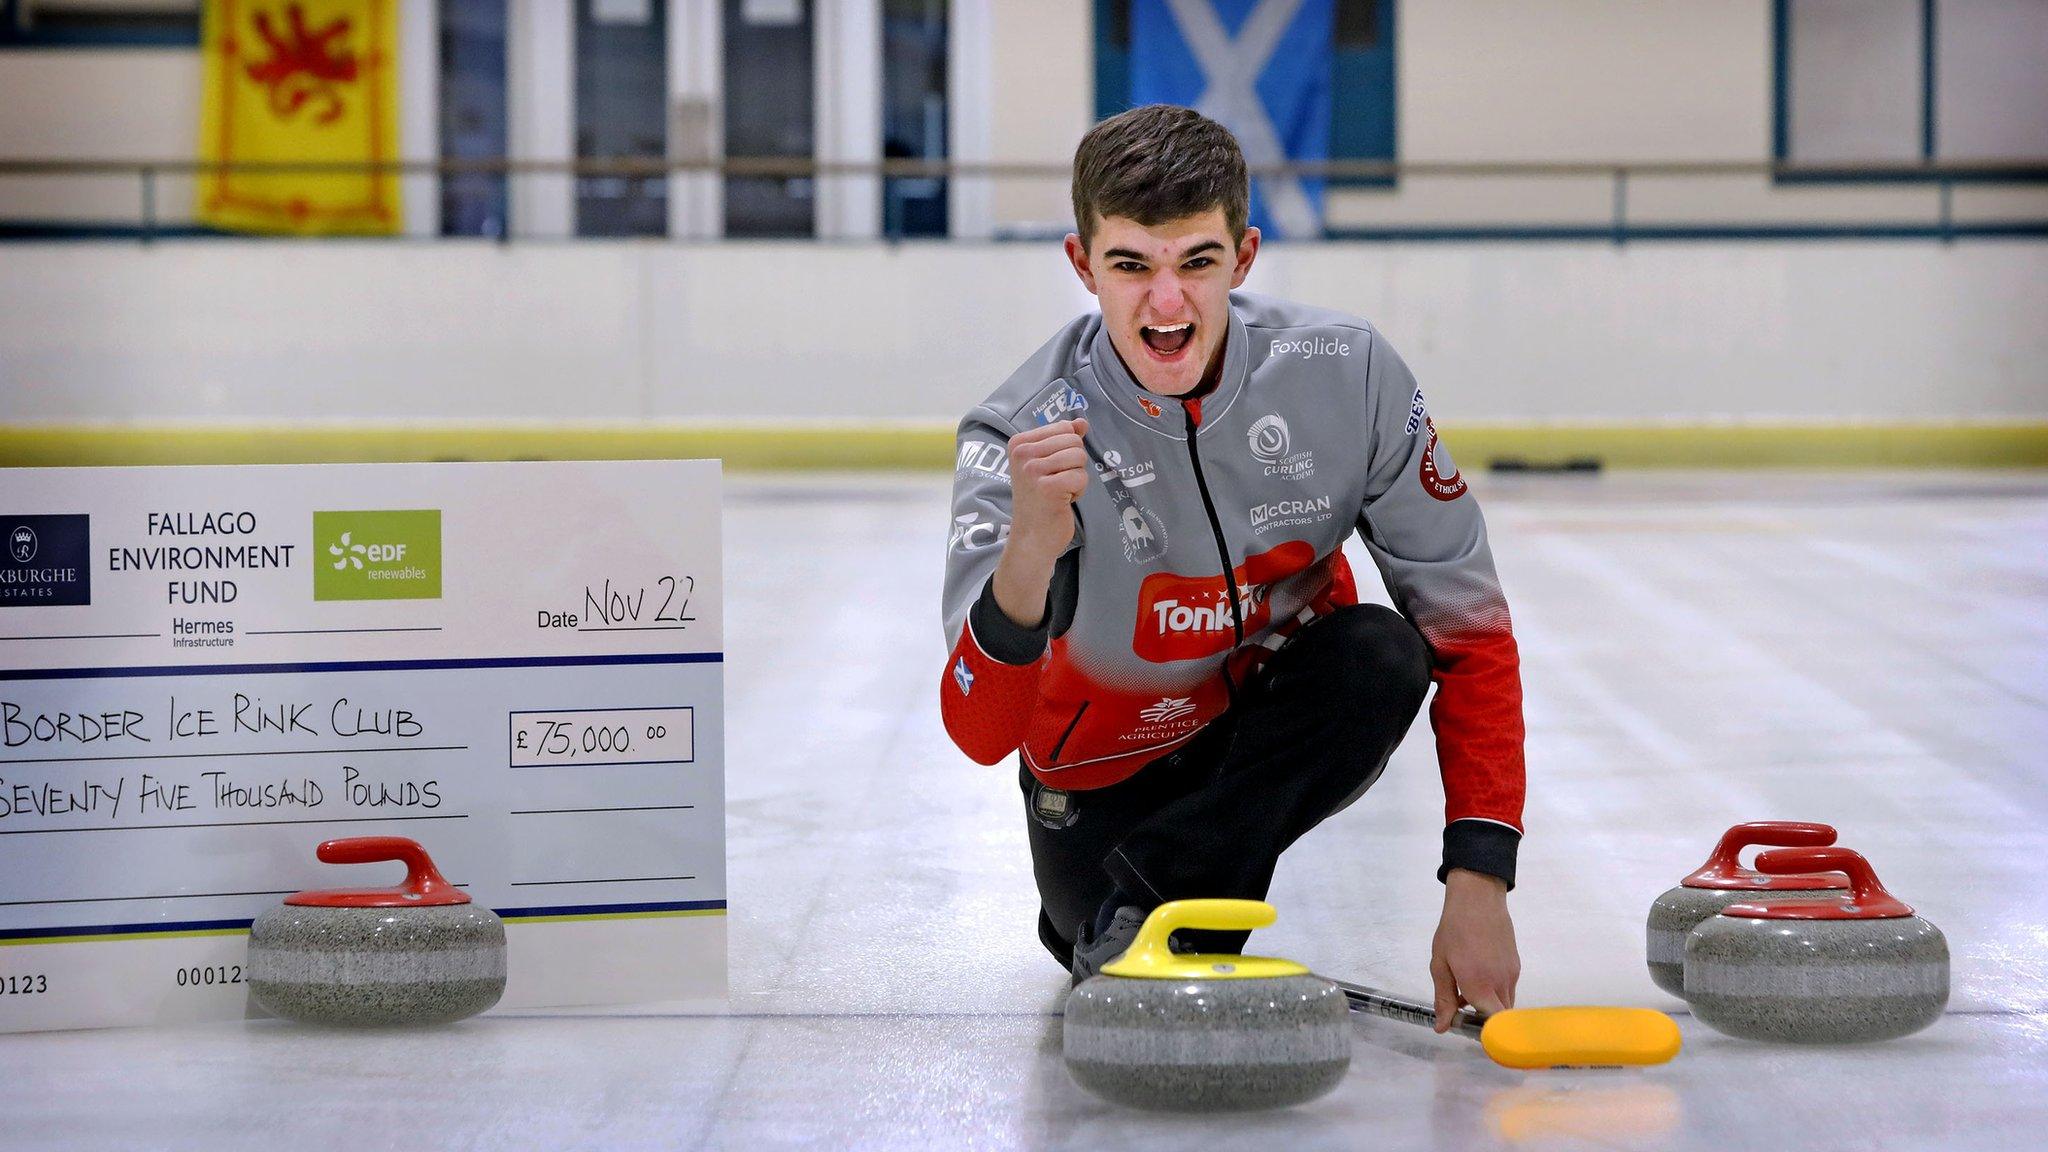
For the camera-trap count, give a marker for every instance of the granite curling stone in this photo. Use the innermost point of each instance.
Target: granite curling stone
(1841, 971)
(1206, 1032)
(419, 953)
(1722, 881)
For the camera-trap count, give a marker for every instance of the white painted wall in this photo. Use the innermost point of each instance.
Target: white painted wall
(341, 329)
(130, 104)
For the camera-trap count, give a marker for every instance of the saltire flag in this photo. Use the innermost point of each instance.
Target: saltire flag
(1261, 68)
(300, 80)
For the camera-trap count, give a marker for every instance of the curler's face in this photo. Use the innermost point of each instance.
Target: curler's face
(1165, 292)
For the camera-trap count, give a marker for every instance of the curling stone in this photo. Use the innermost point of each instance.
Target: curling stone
(1859, 967)
(1206, 1032)
(419, 953)
(1722, 881)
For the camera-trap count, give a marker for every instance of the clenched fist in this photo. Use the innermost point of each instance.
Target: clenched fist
(1048, 473)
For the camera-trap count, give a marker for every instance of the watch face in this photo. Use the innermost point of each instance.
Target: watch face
(1052, 807)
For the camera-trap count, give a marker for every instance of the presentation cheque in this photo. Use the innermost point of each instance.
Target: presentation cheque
(205, 672)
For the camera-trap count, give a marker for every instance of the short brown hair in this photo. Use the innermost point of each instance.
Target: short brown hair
(1157, 163)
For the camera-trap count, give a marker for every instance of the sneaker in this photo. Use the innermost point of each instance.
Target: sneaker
(1092, 950)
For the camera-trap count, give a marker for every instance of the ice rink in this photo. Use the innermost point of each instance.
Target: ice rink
(1864, 649)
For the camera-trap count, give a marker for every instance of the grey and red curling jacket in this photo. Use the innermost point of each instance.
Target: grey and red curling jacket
(1213, 530)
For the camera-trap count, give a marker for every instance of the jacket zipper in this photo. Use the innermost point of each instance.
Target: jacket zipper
(1192, 411)
(1071, 725)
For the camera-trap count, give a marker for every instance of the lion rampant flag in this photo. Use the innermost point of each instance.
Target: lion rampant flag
(300, 81)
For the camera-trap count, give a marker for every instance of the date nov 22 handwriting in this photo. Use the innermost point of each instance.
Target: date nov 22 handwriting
(625, 606)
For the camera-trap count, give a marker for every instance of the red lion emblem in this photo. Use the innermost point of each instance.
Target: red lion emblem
(304, 66)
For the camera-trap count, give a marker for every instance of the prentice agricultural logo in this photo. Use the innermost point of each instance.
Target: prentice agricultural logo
(1168, 708)
(48, 562)
(1171, 717)
(392, 554)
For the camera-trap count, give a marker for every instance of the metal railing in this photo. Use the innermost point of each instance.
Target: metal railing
(1370, 175)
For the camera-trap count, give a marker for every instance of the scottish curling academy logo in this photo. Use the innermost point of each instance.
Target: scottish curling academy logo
(1271, 443)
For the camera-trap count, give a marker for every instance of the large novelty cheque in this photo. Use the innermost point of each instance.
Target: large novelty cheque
(205, 672)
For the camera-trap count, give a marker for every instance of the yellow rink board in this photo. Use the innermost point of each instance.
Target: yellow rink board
(927, 445)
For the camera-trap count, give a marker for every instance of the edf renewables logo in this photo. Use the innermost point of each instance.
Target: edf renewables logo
(47, 561)
(385, 555)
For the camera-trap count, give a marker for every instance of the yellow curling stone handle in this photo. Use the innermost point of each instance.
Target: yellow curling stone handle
(1149, 958)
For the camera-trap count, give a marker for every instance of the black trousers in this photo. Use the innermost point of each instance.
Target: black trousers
(1304, 739)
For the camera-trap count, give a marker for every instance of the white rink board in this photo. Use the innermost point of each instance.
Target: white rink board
(548, 722)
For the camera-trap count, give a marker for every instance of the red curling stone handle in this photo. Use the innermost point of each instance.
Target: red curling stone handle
(422, 879)
(1784, 833)
(1724, 866)
(1867, 896)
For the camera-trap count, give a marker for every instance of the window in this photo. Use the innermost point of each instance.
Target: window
(769, 81)
(99, 23)
(621, 102)
(473, 124)
(914, 113)
(1868, 81)
(1362, 119)
(1990, 63)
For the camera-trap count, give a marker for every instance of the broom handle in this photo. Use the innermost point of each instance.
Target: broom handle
(1371, 1000)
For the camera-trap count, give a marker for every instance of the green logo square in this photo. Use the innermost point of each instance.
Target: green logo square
(385, 555)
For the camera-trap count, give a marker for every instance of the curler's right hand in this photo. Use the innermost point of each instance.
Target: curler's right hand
(1048, 473)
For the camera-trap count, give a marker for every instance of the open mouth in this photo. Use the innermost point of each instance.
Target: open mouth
(1167, 340)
